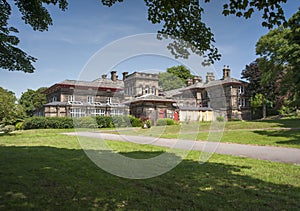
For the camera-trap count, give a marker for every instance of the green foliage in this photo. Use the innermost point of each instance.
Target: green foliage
(168, 81)
(19, 125)
(180, 72)
(280, 52)
(85, 122)
(135, 122)
(7, 129)
(104, 121)
(48, 122)
(180, 19)
(32, 100)
(146, 124)
(10, 112)
(220, 119)
(165, 121)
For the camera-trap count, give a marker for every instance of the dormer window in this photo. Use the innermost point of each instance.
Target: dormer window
(71, 98)
(90, 99)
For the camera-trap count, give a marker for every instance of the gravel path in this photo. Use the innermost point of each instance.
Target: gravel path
(277, 154)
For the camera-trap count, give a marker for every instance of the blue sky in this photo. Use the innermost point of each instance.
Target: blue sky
(87, 26)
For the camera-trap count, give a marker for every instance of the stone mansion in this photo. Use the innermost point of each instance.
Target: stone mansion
(139, 94)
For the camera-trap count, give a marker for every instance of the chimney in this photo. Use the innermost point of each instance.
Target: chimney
(125, 74)
(226, 72)
(197, 79)
(189, 81)
(104, 76)
(113, 75)
(210, 77)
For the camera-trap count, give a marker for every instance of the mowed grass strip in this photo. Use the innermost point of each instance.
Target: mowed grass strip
(280, 133)
(43, 169)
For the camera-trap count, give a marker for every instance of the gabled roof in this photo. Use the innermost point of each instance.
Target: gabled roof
(95, 85)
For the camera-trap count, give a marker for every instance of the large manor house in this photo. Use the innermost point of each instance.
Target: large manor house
(139, 94)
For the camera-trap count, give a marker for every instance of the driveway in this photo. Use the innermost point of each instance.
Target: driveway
(277, 154)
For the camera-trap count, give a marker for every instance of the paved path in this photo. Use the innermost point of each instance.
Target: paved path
(277, 154)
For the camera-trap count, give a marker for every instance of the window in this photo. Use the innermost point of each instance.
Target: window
(241, 90)
(116, 112)
(98, 112)
(71, 98)
(77, 112)
(153, 90)
(54, 99)
(90, 99)
(242, 102)
(108, 100)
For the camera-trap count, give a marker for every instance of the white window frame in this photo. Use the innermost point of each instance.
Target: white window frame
(71, 98)
(241, 90)
(116, 112)
(90, 99)
(98, 112)
(77, 112)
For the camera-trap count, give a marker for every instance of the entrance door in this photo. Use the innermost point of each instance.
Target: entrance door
(176, 116)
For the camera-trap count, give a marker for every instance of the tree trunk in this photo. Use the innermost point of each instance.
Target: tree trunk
(264, 107)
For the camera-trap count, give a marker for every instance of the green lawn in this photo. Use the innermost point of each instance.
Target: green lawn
(281, 133)
(43, 169)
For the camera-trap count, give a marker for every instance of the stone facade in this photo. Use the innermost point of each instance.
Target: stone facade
(139, 94)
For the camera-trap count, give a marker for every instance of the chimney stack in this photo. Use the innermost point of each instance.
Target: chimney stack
(189, 81)
(113, 76)
(197, 79)
(125, 74)
(210, 77)
(226, 72)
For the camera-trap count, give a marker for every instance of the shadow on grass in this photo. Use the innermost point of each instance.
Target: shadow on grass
(285, 123)
(293, 136)
(54, 178)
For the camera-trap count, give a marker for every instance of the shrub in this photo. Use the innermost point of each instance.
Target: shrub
(85, 122)
(8, 129)
(135, 122)
(165, 121)
(19, 126)
(220, 118)
(104, 121)
(48, 122)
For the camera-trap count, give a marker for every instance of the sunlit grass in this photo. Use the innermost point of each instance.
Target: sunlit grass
(46, 170)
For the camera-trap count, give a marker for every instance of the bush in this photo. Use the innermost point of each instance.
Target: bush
(19, 126)
(85, 122)
(104, 121)
(146, 124)
(165, 121)
(135, 122)
(48, 122)
(8, 129)
(220, 118)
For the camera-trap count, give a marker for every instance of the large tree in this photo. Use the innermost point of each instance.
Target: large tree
(265, 93)
(280, 55)
(10, 111)
(32, 100)
(180, 19)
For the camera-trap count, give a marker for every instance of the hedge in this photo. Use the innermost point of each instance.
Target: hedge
(165, 121)
(82, 122)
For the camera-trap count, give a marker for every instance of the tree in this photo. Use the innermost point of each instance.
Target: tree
(32, 100)
(280, 53)
(180, 19)
(10, 112)
(168, 81)
(269, 92)
(180, 72)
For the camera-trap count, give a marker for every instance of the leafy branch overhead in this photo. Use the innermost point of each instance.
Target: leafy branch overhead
(180, 19)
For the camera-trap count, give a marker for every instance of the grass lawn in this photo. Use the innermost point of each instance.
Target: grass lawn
(284, 132)
(43, 169)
